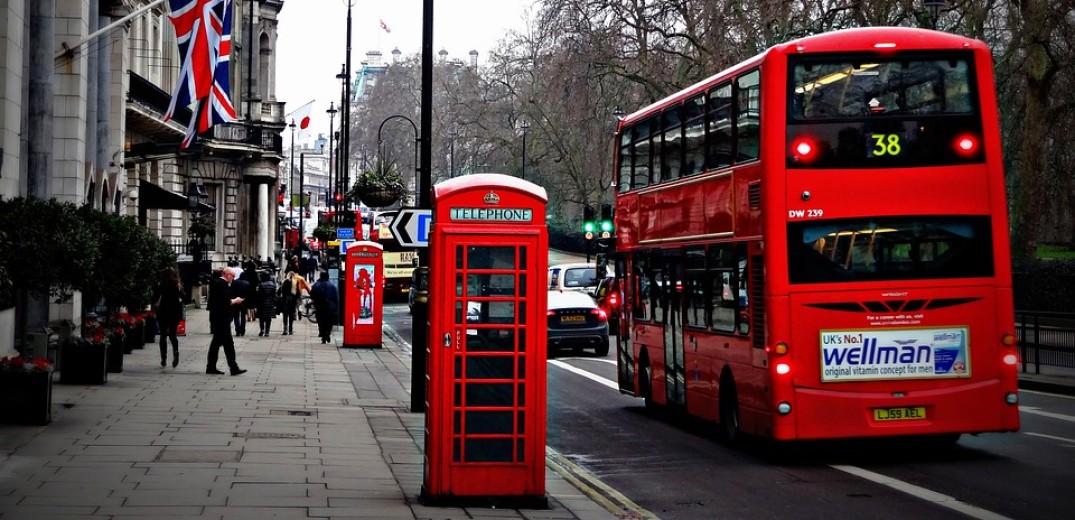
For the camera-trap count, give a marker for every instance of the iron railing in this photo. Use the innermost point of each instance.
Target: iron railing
(1046, 338)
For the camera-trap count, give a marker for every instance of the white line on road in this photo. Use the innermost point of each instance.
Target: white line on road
(588, 375)
(1053, 437)
(922, 493)
(1038, 411)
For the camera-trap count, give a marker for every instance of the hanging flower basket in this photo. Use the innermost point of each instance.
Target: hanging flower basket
(378, 196)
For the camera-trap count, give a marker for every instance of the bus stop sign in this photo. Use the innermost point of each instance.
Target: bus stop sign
(411, 227)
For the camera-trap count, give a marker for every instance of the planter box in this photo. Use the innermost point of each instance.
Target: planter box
(26, 397)
(83, 364)
(151, 330)
(136, 336)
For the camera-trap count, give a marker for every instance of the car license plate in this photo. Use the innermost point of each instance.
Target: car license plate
(899, 414)
(576, 318)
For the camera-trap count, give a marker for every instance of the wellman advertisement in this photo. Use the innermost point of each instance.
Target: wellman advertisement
(867, 355)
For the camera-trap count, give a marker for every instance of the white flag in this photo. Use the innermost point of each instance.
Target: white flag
(301, 119)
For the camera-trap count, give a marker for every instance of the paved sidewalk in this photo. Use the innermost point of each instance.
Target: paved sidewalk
(311, 431)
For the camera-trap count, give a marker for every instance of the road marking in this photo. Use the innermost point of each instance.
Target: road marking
(1050, 394)
(613, 501)
(1053, 437)
(922, 493)
(1038, 411)
(588, 375)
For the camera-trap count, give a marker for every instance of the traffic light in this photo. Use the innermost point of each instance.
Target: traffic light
(588, 227)
(338, 197)
(588, 224)
(606, 221)
(280, 194)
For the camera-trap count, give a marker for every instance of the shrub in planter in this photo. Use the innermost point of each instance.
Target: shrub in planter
(25, 390)
(84, 361)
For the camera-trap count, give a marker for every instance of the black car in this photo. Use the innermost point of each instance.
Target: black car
(576, 322)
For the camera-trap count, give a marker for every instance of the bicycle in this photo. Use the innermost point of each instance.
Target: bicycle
(306, 309)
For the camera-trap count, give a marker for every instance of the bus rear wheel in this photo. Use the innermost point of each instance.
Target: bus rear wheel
(729, 410)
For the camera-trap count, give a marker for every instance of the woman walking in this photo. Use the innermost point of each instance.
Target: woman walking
(169, 311)
(266, 296)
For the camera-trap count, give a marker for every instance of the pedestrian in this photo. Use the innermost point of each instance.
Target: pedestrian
(326, 305)
(222, 305)
(251, 275)
(290, 294)
(241, 288)
(168, 308)
(266, 303)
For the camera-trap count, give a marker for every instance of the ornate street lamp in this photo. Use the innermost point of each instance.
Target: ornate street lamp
(525, 125)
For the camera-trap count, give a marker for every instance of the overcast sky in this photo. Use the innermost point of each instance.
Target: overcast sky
(312, 41)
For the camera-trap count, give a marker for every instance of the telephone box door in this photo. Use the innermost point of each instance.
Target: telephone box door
(363, 303)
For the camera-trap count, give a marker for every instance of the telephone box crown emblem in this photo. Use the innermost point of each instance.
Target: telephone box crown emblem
(492, 198)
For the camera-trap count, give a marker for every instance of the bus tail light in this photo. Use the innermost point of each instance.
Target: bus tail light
(1007, 339)
(966, 145)
(1010, 359)
(783, 368)
(804, 150)
(780, 348)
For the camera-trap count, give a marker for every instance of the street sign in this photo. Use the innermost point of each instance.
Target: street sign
(411, 227)
(345, 232)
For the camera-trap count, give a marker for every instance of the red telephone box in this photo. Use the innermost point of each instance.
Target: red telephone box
(485, 400)
(363, 304)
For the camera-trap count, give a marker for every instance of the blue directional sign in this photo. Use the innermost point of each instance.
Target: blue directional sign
(345, 232)
(411, 227)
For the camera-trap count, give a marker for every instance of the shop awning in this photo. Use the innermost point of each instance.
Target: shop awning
(152, 196)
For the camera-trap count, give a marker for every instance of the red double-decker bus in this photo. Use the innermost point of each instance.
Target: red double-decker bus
(813, 244)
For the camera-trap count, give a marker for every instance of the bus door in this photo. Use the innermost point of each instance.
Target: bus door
(671, 320)
(624, 348)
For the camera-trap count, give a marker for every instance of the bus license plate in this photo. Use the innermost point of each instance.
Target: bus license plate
(899, 414)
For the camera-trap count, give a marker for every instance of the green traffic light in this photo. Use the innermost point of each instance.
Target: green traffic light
(588, 227)
(606, 226)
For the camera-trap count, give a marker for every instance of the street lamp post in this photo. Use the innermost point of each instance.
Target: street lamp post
(331, 113)
(291, 177)
(417, 167)
(343, 76)
(526, 127)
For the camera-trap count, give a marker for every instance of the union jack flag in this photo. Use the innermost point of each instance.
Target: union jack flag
(203, 31)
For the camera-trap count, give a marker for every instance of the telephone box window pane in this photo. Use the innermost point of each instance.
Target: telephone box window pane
(489, 394)
(458, 367)
(456, 451)
(458, 394)
(490, 367)
(457, 428)
(458, 312)
(487, 257)
(522, 395)
(522, 367)
(522, 285)
(522, 341)
(522, 256)
(458, 284)
(488, 422)
(521, 426)
(520, 452)
(490, 340)
(491, 285)
(522, 313)
(488, 450)
(458, 257)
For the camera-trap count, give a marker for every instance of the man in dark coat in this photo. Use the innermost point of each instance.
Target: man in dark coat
(326, 305)
(241, 288)
(222, 305)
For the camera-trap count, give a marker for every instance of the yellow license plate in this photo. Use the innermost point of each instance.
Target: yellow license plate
(572, 319)
(899, 414)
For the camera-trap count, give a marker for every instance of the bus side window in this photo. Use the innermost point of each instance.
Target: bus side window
(748, 116)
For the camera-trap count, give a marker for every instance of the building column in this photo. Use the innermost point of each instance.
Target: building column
(267, 210)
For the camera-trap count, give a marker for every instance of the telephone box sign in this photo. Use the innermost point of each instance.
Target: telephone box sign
(492, 214)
